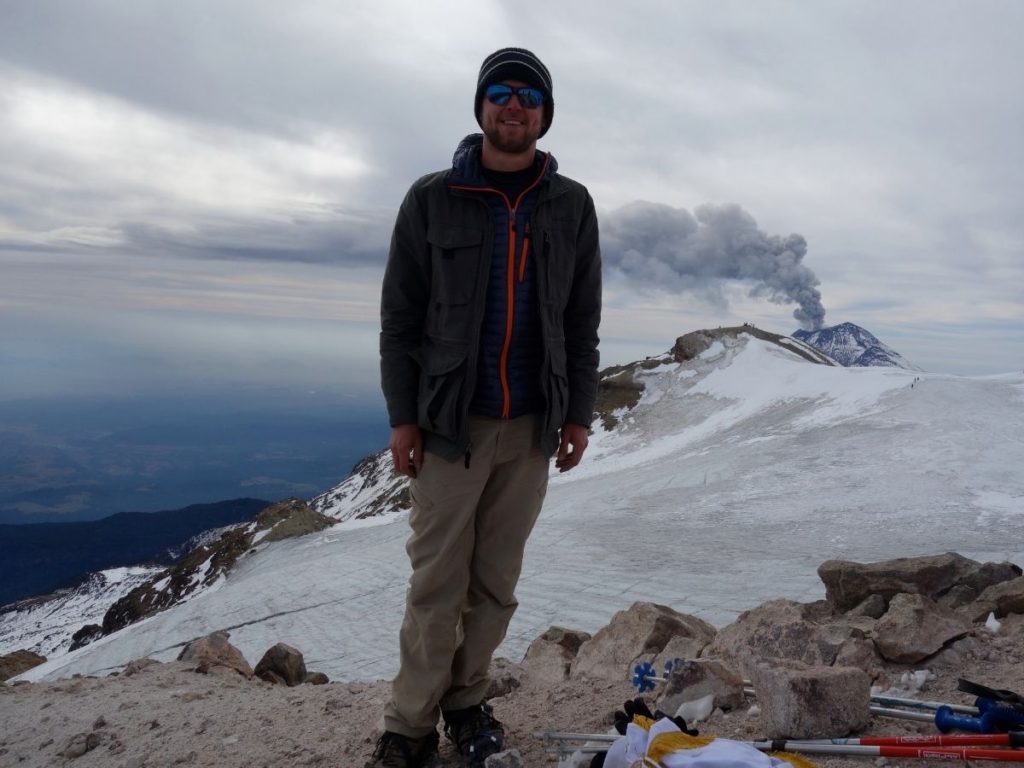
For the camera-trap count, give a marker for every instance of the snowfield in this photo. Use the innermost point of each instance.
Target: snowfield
(736, 475)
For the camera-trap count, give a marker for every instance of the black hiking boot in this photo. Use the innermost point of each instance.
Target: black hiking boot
(475, 732)
(394, 750)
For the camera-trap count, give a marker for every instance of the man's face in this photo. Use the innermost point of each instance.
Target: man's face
(511, 128)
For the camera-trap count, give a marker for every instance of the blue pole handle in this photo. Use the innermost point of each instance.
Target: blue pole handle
(947, 720)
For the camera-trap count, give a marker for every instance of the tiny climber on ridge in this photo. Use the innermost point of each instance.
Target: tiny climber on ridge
(490, 308)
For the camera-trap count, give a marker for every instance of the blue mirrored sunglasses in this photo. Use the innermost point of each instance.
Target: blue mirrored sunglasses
(529, 98)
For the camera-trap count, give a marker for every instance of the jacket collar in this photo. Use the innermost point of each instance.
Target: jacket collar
(467, 168)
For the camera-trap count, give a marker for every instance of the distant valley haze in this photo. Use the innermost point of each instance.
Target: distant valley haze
(87, 457)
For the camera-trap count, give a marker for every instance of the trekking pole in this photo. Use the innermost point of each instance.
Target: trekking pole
(1012, 739)
(939, 753)
(964, 747)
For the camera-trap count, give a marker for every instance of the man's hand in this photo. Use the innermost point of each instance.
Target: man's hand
(576, 437)
(407, 449)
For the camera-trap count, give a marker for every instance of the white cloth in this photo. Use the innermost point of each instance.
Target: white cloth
(630, 751)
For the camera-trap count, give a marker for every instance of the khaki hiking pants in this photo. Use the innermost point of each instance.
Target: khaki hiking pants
(469, 530)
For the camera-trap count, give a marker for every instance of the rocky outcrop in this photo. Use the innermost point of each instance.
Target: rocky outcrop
(289, 519)
(950, 579)
(641, 633)
(205, 565)
(784, 629)
(13, 664)
(372, 488)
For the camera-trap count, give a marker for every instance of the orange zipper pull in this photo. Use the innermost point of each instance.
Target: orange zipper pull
(522, 257)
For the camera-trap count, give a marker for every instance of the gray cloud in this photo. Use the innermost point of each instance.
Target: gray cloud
(352, 238)
(669, 248)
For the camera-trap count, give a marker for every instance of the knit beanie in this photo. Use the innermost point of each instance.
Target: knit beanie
(515, 64)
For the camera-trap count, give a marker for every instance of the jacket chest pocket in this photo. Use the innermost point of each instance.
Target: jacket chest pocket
(455, 263)
(557, 257)
(455, 268)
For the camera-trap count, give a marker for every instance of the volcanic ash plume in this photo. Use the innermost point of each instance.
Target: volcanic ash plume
(669, 248)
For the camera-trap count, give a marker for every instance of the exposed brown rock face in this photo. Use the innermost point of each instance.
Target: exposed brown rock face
(950, 579)
(642, 632)
(915, 627)
(550, 656)
(13, 664)
(214, 650)
(205, 565)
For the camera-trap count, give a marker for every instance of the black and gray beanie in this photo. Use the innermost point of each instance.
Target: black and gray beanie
(515, 64)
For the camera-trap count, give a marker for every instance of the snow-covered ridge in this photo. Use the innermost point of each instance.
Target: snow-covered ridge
(46, 625)
(853, 346)
(730, 473)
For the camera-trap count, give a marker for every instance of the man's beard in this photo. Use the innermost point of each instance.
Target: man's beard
(510, 146)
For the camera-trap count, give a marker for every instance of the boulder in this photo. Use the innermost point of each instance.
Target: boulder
(1001, 599)
(798, 701)
(14, 663)
(639, 633)
(692, 680)
(785, 629)
(214, 650)
(915, 627)
(550, 656)
(282, 665)
(848, 584)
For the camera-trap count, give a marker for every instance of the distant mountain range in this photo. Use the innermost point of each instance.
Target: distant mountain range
(852, 346)
(39, 558)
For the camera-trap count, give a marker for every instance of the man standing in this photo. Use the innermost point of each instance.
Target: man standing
(489, 312)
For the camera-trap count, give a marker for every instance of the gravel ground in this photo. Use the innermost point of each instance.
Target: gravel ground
(170, 715)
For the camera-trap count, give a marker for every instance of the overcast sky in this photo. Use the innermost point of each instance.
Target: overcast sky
(198, 191)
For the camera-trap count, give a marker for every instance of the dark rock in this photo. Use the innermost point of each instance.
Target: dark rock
(85, 635)
(847, 583)
(873, 606)
(282, 665)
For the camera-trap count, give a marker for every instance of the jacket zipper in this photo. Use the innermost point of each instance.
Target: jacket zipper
(510, 278)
